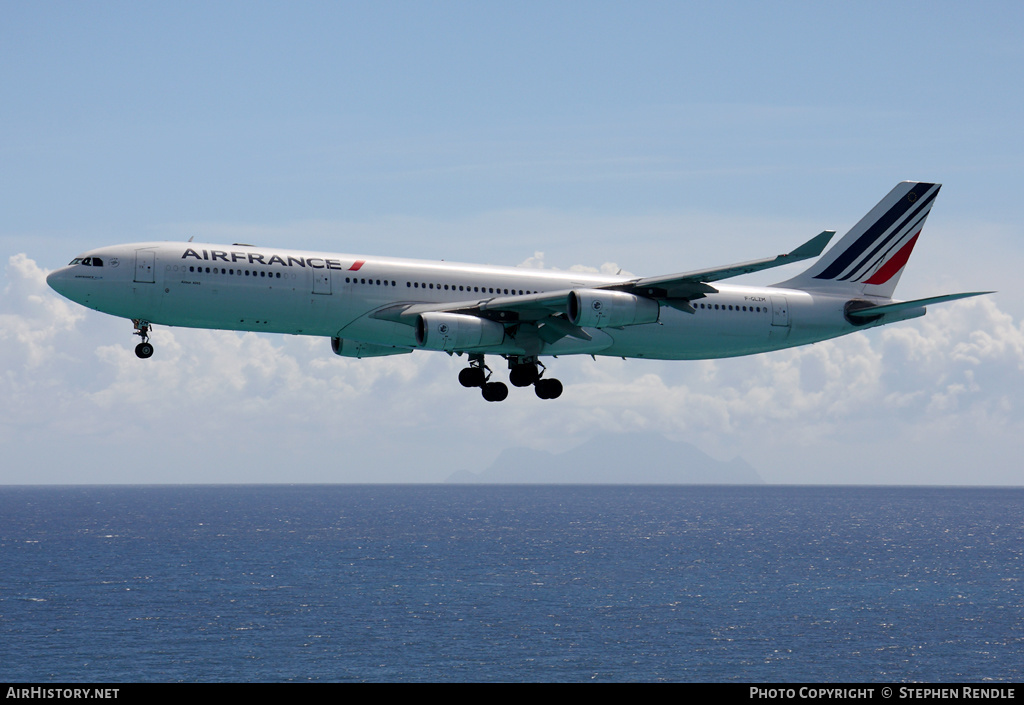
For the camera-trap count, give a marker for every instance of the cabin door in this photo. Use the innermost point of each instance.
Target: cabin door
(322, 281)
(780, 311)
(145, 264)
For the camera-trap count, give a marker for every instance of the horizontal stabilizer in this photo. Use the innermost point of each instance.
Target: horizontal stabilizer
(872, 311)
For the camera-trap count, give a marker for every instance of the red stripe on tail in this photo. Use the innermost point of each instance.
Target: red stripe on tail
(898, 261)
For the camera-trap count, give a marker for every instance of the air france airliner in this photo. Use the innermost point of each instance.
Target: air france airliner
(373, 306)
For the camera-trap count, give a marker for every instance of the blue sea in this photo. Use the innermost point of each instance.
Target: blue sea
(511, 583)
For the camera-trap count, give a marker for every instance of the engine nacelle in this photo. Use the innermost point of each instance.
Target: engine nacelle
(353, 348)
(456, 331)
(595, 308)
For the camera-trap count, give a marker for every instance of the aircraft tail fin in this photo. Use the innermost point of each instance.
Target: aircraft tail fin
(869, 260)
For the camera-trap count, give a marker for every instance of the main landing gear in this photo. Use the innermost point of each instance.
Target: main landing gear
(144, 349)
(478, 375)
(523, 372)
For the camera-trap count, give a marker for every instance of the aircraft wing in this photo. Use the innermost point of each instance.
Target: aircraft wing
(548, 308)
(684, 285)
(538, 315)
(529, 307)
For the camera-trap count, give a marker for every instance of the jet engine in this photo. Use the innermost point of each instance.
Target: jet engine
(456, 331)
(353, 348)
(594, 308)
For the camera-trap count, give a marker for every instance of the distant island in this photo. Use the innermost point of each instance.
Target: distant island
(620, 459)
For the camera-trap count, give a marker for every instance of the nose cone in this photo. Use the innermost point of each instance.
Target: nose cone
(57, 279)
(64, 282)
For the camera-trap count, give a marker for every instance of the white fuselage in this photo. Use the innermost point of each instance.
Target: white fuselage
(245, 288)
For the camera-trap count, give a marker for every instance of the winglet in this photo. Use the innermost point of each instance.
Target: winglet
(813, 247)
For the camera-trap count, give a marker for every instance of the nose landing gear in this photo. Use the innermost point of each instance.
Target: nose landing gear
(144, 349)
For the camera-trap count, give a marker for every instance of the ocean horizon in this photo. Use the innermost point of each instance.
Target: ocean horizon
(470, 583)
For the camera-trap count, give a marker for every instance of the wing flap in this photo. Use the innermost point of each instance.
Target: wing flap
(562, 328)
(528, 307)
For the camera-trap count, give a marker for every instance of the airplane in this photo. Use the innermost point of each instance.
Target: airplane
(375, 306)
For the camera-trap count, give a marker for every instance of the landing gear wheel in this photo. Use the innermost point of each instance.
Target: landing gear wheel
(524, 375)
(495, 391)
(472, 377)
(476, 375)
(144, 349)
(548, 388)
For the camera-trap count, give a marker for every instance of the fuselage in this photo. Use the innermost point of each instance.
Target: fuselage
(246, 288)
(375, 306)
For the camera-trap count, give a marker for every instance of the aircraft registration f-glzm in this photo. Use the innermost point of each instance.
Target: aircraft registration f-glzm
(373, 306)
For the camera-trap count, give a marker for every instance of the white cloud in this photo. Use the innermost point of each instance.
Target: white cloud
(221, 406)
(912, 383)
(537, 262)
(32, 318)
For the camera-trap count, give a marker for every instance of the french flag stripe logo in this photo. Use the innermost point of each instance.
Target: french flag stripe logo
(895, 264)
(886, 240)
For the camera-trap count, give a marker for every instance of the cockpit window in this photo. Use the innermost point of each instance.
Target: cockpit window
(97, 262)
(88, 261)
(76, 260)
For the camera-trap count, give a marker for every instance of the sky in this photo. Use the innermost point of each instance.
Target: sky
(648, 136)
